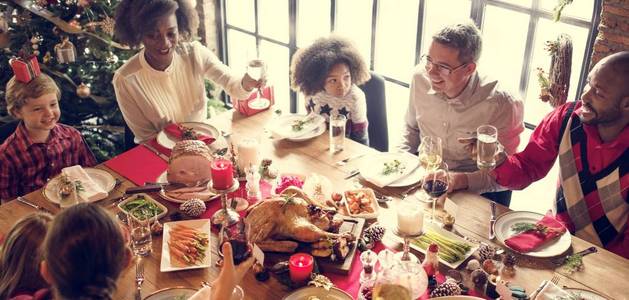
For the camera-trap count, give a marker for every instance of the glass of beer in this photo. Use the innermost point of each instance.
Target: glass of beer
(486, 147)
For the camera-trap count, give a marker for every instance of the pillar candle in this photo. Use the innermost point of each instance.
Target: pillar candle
(300, 266)
(222, 174)
(247, 153)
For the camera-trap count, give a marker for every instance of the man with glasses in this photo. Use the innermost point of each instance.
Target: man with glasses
(449, 99)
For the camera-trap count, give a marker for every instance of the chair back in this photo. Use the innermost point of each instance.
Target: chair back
(8, 129)
(376, 112)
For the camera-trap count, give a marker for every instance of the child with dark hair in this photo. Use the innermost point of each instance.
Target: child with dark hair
(328, 72)
(20, 256)
(84, 253)
(40, 146)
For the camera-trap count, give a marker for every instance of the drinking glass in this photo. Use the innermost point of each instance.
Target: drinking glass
(257, 69)
(486, 147)
(337, 133)
(435, 184)
(140, 231)
(411, 275)
(430, 152)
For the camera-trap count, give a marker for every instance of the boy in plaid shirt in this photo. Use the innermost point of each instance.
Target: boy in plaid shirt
(40, 147)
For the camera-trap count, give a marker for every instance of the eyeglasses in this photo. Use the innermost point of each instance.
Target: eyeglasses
(443, 70)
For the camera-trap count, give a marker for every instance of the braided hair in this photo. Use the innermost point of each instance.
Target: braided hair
(85, 253)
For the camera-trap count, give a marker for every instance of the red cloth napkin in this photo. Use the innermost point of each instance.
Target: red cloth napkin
(176, 130)
(530, 240)
(138, 165)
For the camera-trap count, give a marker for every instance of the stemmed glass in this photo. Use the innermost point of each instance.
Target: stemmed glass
(257, 69)
(430, 152)
(435, 184)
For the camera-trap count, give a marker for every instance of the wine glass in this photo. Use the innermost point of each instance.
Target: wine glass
(435, 184)
(257, 69)
(430, 152)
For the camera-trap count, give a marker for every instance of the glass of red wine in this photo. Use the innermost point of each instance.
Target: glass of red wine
(435, 184)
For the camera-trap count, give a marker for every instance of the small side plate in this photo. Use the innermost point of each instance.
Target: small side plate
(148, 198)
(202, 225)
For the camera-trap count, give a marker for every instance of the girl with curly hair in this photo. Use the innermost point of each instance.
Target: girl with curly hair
(20, 256)
(165, 82)
(328, 72)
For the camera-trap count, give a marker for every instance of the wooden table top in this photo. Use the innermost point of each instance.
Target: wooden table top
(604, 271)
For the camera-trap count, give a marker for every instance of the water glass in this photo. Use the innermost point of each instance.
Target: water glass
(140, 231)
(486, 147)
(337, 133)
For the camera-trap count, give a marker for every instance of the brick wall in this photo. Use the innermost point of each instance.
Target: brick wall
(613, 31)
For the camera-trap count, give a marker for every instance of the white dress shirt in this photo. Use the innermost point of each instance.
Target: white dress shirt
(481, 102)
(150, 99)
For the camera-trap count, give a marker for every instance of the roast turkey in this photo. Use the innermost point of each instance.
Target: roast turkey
(189, 166)
(276, 224)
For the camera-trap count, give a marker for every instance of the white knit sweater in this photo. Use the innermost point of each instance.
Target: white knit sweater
(149, 99)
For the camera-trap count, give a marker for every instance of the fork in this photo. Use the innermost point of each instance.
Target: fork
(555, 279)
(139, 278)
(344, 161)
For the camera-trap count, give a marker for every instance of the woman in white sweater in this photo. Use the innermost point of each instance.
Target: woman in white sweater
(165, 81)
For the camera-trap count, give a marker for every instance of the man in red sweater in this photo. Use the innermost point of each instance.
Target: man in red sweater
(591, 139)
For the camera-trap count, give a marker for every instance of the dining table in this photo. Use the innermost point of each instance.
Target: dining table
(603, 273)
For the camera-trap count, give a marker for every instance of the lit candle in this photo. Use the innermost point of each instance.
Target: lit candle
(247, 153)
(300, 266)
(222, 174)
(410, 219)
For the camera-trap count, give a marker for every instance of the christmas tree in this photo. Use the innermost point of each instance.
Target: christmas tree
(73, 42)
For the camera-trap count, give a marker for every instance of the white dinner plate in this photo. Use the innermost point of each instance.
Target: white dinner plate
(319, 292)
(163, 179)
(412, 173)
(202, 225)
(584, 294)
(168, 142)
(503, 231)
(458, 298)
(173, 293)
(312, 134)
(101, 177)
(282, 126)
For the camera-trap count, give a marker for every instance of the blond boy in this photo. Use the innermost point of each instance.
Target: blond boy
(40, 146)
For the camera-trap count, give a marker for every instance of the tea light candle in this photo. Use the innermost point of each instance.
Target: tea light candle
(247, 153)
(300, 266)
(410, 219)
(222, 174)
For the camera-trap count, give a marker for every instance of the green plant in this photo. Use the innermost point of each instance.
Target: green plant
(561, 4)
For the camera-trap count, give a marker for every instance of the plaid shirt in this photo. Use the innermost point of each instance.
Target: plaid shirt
(26, 166)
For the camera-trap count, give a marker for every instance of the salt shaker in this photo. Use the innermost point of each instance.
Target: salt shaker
(253, 183)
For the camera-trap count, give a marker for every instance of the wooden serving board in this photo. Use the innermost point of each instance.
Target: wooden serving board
(325, 264)
(355, 226)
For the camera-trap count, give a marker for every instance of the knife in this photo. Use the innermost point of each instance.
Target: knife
(352, 174)
(562, 260)
(155, 151)
(35, 206)
(492, 221)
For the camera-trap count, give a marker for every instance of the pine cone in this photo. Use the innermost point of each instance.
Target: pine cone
(374, 233)
(192, 207)
(509, 260)
(486, 252)
(448, 288)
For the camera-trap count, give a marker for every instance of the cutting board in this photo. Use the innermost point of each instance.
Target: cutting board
(355, 226)
(351, 224)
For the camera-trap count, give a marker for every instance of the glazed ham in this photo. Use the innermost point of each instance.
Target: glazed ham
(189, 164)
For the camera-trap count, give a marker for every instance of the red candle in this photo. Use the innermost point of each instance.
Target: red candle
(222, 174)
(300, 266)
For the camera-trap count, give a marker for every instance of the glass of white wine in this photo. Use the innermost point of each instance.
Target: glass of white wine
(430, 152)
(257, 69)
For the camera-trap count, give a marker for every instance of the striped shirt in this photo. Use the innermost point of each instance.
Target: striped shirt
(26, 166)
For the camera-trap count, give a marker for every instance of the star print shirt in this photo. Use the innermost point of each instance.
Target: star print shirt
(353, 106)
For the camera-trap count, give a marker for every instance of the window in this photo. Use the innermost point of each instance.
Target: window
(393, 34)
